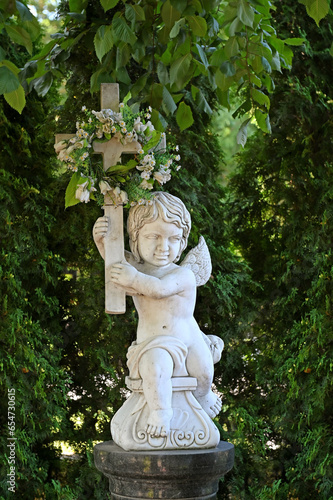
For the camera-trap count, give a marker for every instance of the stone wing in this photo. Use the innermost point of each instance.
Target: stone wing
(199, 261)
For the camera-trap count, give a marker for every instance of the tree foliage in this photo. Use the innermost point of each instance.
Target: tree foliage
(280, 214)
(270, 296)
(174, 47)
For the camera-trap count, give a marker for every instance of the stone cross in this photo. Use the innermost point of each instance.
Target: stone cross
(114, 240)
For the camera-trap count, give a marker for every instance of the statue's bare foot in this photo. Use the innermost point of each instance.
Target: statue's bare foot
(158, 424)
(211, 403)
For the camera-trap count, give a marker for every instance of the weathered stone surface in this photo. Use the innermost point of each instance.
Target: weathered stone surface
(192, 474)
(170, 349)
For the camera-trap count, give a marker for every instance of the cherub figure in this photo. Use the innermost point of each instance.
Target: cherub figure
(169, 341)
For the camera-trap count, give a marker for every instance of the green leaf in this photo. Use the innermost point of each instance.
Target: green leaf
(262, 120)
(255, 80)
(2, 54)
(267, 67)
(43, 83)
(184, 116)
(227, 68)
(122, 31)
(70, 199)
(202, 103)
(8, 81)
(139, 85)
(245, 13)
(33, 28)
(294, 41)
(168, 102)
(317, 9)
(179, 4)
(176, 27)
(162, 73)
(123, 76)
(261, 98)
(16, 99)
(139, 12)
(20, 36)
(123, 55)
(103, 41)
(153, 141)
(24, 12)
(217, 58)
(231, 47)
(198, 25)
(202, 55)
(77, 5)
(169, 14)
(179, 71)
(242, 133)
(158, 121)
(108, 4)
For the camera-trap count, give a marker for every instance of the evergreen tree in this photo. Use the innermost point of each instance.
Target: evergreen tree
(280, 215)
(33, 292)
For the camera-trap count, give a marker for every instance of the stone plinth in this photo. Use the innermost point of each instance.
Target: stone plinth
(191, 428)
(185, 474)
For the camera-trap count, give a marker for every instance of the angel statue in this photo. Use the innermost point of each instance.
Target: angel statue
(171, 363)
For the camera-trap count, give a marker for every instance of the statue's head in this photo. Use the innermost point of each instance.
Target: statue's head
(166, 206)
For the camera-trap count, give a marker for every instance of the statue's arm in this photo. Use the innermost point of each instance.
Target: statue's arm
(176, 282)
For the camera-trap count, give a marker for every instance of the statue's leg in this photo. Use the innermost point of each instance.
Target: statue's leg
(156, 369)
(199, 364)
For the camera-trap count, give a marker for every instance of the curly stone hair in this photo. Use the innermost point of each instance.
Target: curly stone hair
(169, 208)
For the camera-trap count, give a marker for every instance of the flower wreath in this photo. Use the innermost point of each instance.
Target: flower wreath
(128, 184)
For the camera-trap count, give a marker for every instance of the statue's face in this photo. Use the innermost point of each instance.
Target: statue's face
(159, 242)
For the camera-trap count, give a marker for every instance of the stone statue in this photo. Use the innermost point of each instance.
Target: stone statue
(171, 363)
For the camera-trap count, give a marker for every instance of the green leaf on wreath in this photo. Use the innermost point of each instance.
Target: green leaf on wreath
(70, 199)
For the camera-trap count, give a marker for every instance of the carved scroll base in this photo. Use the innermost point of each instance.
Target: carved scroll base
(191, 427)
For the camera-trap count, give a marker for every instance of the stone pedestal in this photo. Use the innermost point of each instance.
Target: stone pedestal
(168, 474)
(191, 427)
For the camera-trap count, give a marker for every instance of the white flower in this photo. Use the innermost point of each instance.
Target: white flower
(118, 196)
(113, 130)
(104, 187)
(121, 105)
(82, 193)
(77, 144)
(124, 197)
(99, 133)
(84, 156)
(59, 146)
(124, 130)
(150, 109)
(146, 185)
(145, 175)
(100, 116)
(141, 151)
(177, 148)
(162, 177)
(177, 158)
(122, 124)
(178, 167)
(63, 155)
(106, 128)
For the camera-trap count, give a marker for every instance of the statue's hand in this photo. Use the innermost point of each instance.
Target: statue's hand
(123, 274)
(100, 229)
